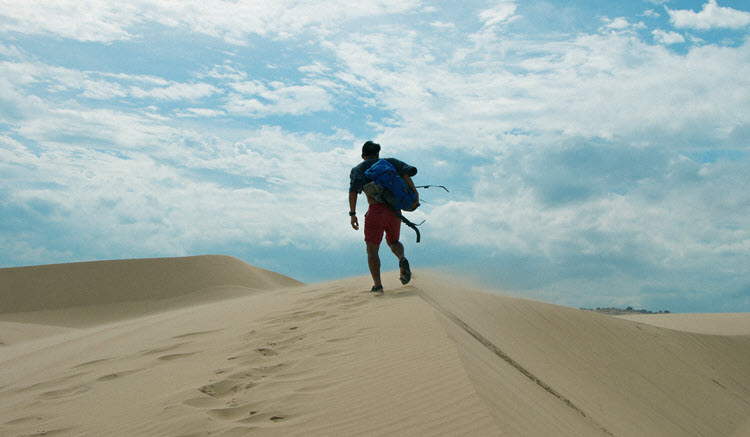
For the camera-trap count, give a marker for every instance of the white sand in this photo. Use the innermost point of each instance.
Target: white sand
(211, 346)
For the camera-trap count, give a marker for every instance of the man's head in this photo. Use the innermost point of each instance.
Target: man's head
(370, 150)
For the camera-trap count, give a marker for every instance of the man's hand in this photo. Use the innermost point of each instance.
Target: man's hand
(414, 205)
(410, 184)
(353, 209)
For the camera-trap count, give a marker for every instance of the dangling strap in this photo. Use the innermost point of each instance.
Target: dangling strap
(430, 186)
(410, 224)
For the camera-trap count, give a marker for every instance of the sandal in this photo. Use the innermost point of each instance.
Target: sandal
(405, 271)
(376, 289)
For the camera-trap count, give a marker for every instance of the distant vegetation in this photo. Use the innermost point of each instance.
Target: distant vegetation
(622, 311)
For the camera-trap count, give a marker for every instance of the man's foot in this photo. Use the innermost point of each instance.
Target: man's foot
(376, 289)
(405, 271)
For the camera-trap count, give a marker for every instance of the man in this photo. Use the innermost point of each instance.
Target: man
(379, 219)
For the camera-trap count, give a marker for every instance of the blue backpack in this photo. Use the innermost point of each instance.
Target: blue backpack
(388, 187)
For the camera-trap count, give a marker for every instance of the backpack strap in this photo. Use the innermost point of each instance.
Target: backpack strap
(410, 224)
(430, 186)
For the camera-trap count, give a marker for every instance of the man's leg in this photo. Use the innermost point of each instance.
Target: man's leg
(392, 234)
(398, 249)
(373, 261)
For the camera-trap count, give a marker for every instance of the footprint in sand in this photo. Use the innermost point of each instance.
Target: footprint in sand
(203, 402)
(36, 422)
(162, 349)
(270, 370)
(266, 352)
(257, 417)
(65, 392)
(117, 375)
(196, 334)
(289, 341)
(295, 317)
(338, 339)
(247, 359)
(233, 413)
(225, 388)
(51, 384)
(51, 432)
(173, 357)
(24, 420)
(91, 363)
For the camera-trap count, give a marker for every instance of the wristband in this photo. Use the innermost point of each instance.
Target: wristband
(352, 213)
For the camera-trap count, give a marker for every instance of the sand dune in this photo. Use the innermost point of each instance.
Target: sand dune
(62, 294)
(104, 282)
(617, 376)
(716, 324)
(430, 358)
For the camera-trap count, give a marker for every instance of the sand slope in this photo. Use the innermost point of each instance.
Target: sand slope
(717, 324)
(430, 358)
(104, 282)
(614, 376)
(60, 294)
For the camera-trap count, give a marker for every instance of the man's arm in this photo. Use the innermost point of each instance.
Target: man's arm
(353, 208)
(410, 183)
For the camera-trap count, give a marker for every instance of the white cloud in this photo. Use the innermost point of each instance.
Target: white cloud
(102, 86)
(201, 112)
(606, 85)
(96, 128)
(9, 51)
(145, 79)
(665, 37)
(256, 99)
(443, 26)
(314, 68)
(499, 14)
(84, 20)
(620, 24)
(101, 90)
(212, 193)
(710, 17)
(176, 91)
(224, 72)
(105, 21)
(594, 86)
(10, 151)
(666, 222)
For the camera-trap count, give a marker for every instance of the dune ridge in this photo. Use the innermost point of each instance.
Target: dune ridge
(435, 357)
(58, 286)
(617, 376)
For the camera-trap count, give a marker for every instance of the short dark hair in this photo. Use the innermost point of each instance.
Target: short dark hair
(370, 148)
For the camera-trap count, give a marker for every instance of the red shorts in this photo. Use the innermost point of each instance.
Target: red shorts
(380, 219)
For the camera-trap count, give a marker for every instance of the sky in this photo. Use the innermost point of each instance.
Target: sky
(596, 152)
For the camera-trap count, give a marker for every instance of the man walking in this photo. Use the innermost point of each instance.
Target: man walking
(379, 219)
